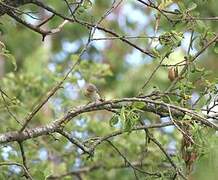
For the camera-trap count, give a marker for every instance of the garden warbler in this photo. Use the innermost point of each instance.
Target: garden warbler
(92, 92)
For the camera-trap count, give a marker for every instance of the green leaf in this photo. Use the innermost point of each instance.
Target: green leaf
(192, 68)
(39, 175)
(192, 6)
(155, 52)
(87, 4)
(11, 58)
(128, 125)
(189, 85)
(138, 105)
(114, 120)
(187, 117)
(4, 52)
(198, 69)
(201, 26)
(216, 48)
(131, 119)
(81, 10)
(122, 114)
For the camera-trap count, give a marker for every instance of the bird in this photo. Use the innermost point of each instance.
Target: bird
(92, 92)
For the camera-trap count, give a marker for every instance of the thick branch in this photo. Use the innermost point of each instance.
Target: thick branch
(150, 106)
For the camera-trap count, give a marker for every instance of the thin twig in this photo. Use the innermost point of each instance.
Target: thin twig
(180, 129)
(129, 163)
(17, 164)
(8, 109)
(167, 156)
(74, 141)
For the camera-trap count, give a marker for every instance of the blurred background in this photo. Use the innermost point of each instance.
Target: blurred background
(33, 66)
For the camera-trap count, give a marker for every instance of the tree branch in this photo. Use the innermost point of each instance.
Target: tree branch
(150, 106)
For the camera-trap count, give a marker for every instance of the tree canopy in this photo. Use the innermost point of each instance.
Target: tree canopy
(154, 64)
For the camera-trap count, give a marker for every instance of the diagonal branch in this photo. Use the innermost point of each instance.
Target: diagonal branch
(74, 141)
(178, 171)
(129, 163)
